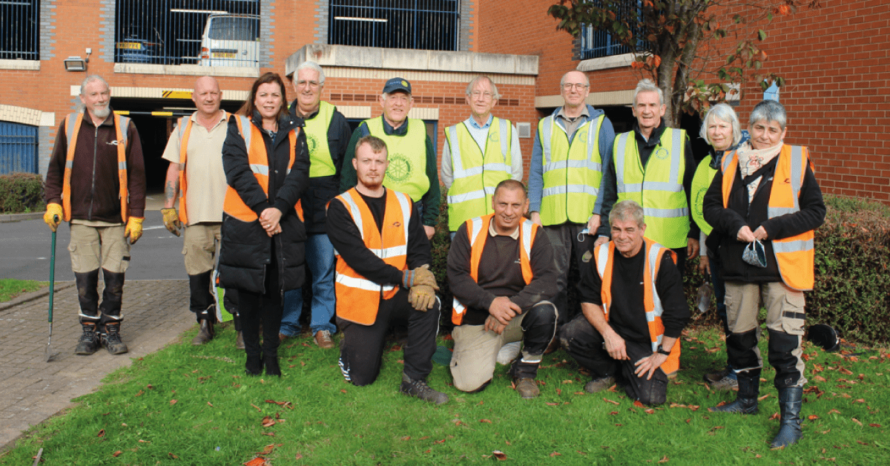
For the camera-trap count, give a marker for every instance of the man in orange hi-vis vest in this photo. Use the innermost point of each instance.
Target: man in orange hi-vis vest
(501, 270)
(383, 276)
(633, 310)
(764, 204)
(96, 181)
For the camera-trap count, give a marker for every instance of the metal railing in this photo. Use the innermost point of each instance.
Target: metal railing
(177, 32)
(400, 24)
(596, 44)
(19, 28)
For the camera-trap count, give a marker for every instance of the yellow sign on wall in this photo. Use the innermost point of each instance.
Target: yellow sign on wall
(176, 94)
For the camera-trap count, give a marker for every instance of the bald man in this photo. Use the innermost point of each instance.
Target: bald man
(196, 172)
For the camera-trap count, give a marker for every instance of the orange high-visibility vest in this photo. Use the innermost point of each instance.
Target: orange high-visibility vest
(605, 258)
(477, 232)
(259, 165)
(795, 255)
(72, 128)
(185, 130)
(358, 299)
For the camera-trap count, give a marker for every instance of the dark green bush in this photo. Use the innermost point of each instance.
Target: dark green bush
(21, 192)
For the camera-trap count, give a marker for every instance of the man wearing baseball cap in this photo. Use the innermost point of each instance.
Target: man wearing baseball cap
(412, 157)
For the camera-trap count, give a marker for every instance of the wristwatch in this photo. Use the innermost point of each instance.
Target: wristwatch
(663, 351)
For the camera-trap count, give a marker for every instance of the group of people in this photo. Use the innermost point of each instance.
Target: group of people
(279, 189)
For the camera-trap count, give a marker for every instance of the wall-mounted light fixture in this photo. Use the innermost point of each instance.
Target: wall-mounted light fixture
(76, 63)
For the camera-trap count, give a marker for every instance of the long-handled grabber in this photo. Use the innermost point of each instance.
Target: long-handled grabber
(52, 288)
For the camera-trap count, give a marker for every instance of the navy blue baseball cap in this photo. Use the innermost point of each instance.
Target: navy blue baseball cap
(397, 84)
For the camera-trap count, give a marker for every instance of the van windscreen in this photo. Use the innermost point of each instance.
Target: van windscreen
(234, 29)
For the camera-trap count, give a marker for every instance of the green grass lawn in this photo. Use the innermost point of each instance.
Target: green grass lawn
(194, 405)
(10, 288)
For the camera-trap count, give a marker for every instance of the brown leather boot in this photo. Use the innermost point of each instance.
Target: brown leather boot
(205, 334)
(239, 340)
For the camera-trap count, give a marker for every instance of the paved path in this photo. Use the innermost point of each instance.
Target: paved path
(155, 313)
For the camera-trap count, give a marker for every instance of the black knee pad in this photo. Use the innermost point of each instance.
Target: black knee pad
(740, 348)
(539, 327)
(781, 346)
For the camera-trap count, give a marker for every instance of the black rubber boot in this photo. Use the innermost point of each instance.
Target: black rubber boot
(254, 364)
(89, 340)
(789, 404)
(746, 400)
(112, 340)
(88, 296)
(271, 363)
(112, 296)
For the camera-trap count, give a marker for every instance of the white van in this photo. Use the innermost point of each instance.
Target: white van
(231, 40)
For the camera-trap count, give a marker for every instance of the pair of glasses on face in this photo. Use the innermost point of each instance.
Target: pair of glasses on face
(579, 86)
(312, 84)
(486, 95)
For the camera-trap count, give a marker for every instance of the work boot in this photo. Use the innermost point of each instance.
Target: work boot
(527, 388)
(112, 339)
(712, 377)
(89, 340)
(600, 384)
(789, 404)
(205, 334)
(239, 340)
(323, 339)
(419, 389)
(746, 400)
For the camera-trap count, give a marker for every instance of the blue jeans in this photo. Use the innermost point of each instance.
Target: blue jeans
(320, 260)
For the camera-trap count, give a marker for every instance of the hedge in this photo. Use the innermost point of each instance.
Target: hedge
(21, 192)
(852, 290)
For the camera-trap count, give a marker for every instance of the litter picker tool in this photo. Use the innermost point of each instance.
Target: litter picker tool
(49, 353)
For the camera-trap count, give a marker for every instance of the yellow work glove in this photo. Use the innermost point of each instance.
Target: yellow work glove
(53, 216)
(134, 229)
(171, 220)
(419, 276)
(422, 297)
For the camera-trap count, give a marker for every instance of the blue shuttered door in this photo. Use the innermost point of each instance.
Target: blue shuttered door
(18, 148)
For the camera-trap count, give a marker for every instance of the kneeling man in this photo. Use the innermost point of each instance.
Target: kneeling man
(633, 311)
(501, 272)
(383, 258)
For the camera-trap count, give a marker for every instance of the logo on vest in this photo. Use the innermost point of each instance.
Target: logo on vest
(112, 143)
(399, 169)
(661, 153)
(312, 142)
(493, 137)
(396, 224)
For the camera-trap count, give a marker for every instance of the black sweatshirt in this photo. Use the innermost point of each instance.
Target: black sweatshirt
(500, 274)
(346, 238)
(645, 148)
(627, 315)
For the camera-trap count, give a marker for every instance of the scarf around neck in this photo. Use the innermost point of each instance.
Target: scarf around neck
(751, 160)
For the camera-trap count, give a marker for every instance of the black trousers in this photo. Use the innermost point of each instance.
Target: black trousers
(584, 343)
(361, 350)
(566, 248)
(255, 308)
(681, 261)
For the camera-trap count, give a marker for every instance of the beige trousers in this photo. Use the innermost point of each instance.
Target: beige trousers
(199, 247)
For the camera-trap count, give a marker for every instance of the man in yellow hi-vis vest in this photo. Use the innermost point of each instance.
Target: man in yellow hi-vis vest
(96, 181)
(412, 157)
(572, 148)
(653, 165)
(634, 311)
(479, 153)
(764, 204)
(196, 175)
(327, 135)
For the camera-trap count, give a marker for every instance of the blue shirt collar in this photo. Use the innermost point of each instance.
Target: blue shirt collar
(476, 125)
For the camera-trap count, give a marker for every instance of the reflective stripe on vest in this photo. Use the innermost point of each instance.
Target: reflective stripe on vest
(476, 175)
(658, 187)
(572, 171)
(184, 126)
(320, 161)
(358, 299)
(258, 159)
(605, 258)
(477, 232)
(407, 157)
(795, 255)
(701, 181)
(73, 123)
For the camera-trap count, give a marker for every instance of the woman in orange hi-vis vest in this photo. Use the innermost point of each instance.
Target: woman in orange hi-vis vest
(267, 169)
(764, 204)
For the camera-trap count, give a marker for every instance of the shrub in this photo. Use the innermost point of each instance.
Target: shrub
(21, 192)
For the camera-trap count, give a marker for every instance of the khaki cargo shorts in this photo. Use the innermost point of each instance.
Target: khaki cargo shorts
(199, 247)
(94, 247)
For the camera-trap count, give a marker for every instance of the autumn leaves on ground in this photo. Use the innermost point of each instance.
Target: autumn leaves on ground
(194, 405)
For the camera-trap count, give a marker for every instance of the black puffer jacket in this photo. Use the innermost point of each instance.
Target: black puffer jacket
(246, 249)
(727, 222)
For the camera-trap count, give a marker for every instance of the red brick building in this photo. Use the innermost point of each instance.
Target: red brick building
(832, 58)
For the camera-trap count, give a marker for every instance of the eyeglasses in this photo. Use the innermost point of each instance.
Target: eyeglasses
(312, 84)
(486, 95)
(579, 86)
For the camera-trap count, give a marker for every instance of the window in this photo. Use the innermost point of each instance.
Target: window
(19, 27)
(402, 24)
(597, 44)
(170, 32)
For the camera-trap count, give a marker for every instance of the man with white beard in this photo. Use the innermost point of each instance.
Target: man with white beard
(96, 181)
